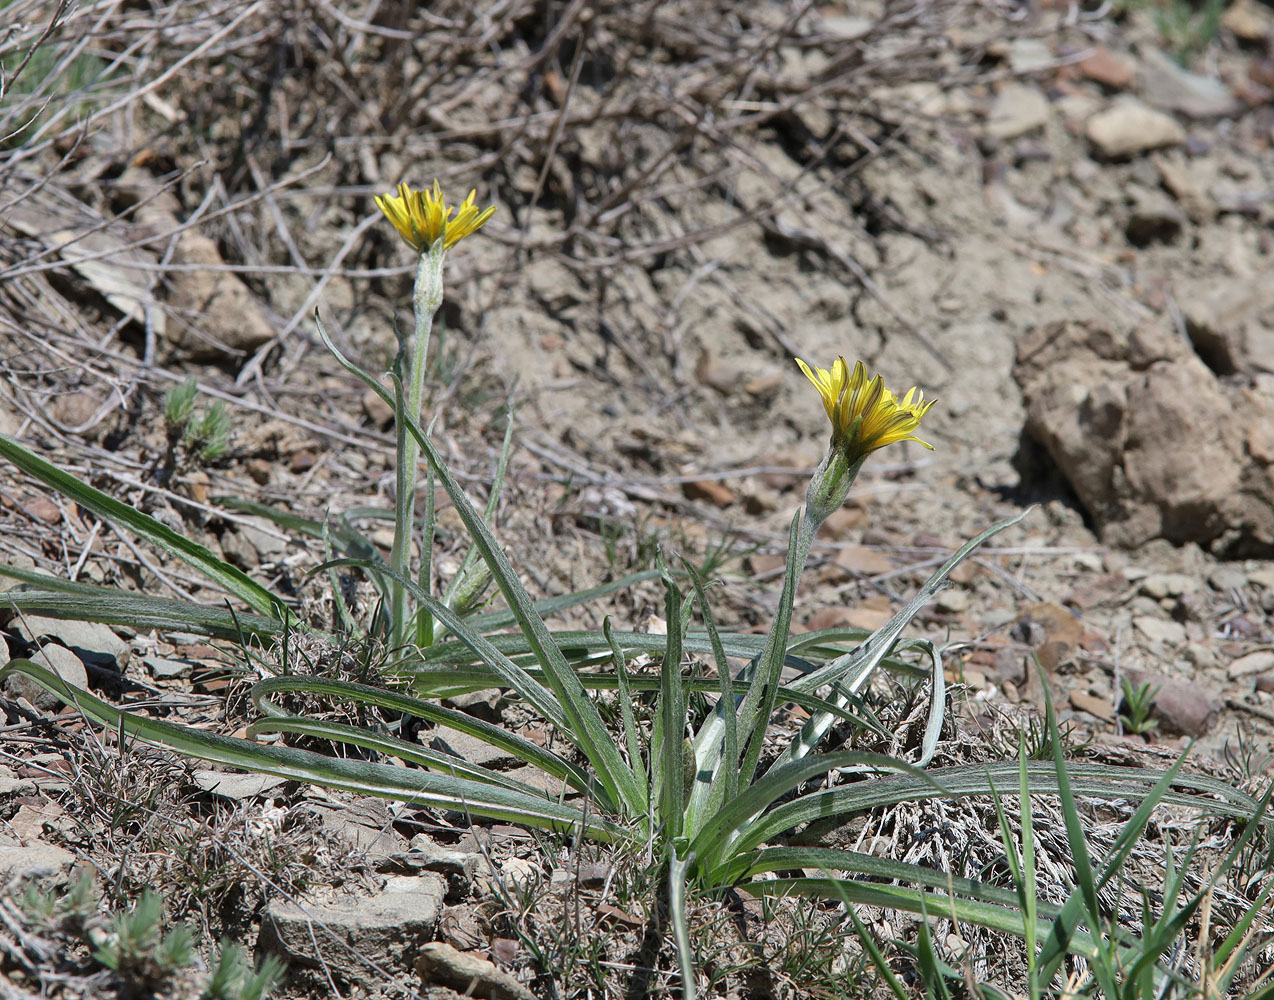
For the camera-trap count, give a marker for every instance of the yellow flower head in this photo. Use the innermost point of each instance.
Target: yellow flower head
(864, 414)
(422, 218)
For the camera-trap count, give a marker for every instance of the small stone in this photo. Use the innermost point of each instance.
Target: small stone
(444, 860)
(380, 413)
(1054, 654)
(859, 559)
(765, 564)
(1265, 683)
(259, 470)
(463, 928)
(764, 386)
(1184, 709)
(20, 863)
(471, 749)
(466, 973)
(712, 491)
(302, 461)
(1170, 86)
(1253, 663)
(1248, 21)
(234, 786)
(44, 509)
(868, 619)
(1047, 621)
(162, 668)
(1093, 705)
(1201, 656)
(952, 601)
(841, 522)
(836, 616)
(520, 872)
(846, 26)
(1017, 110)
(92, 641)
(1108, 69)
(1178, 180)
(1128, 128)
(1029, 55)
(1191, 607)
(1153, 219)
(1161, 585)
(1160, 629)
(1225, 579)
(53, 657)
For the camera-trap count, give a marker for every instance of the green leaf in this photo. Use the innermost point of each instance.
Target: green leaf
(672, 712)
(119, 607)
(421, 788)
(364, 694)
(713, 840)
(234, 581)
(583, 723)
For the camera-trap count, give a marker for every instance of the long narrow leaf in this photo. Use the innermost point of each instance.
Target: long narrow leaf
(715, 835)
(518, 746)
(584, 724)
(234, 581)
(966, 780)
(672, 712)
(421, 788)
(138, 611)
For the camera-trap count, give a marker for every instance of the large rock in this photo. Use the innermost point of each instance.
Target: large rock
(391, 927)
(213, 315)
(1151, 442)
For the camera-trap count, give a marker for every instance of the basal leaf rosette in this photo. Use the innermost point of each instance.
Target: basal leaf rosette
(865, 417)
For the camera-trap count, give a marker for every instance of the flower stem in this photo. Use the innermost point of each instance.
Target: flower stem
(426, 300)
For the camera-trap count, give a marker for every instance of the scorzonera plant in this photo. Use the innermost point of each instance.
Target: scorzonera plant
(697, 791)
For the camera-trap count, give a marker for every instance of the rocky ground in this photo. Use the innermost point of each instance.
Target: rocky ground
(1056, 219)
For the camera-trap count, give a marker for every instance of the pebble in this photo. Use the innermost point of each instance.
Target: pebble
(53, 657)
(467, 973)
(1108, 69)
(1128, 128)
(1259, 662)
(520, 872)
(1160, 630)
(1226, 578)
(710, 490)
(1017, 110)
(1161, 585)
(1154, 219)
(953, 602)
(1168, 85)
(1029, 55)
(96, 642)
(1201, 656)
(1248, 21)
(864, 560)
(1184, 709)
(1093, 704)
